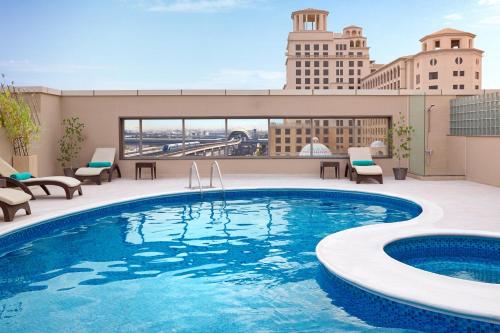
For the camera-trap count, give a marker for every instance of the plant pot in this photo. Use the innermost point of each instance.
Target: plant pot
(26, 164)
(69, 172)
(400, 173)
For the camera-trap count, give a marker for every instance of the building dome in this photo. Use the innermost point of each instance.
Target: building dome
(377, 144)
(318, 149)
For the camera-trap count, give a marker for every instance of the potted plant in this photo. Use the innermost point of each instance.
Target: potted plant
(399, 138)
(70, 144)
(19, 118)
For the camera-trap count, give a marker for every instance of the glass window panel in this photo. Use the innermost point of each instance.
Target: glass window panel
(161, 138)
(298, 134)
(205, 137)
(372, 132)
(131, 138)
(247, 137)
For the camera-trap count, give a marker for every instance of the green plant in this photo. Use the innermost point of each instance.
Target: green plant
(71, 142)
(399, 138)
(18, 119)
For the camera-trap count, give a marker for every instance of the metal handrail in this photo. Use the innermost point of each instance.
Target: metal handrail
(194, 167)
(217, 167)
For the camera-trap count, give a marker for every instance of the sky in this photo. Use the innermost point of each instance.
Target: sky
(210, 44)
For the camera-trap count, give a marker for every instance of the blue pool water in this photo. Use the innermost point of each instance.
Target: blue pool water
(463, 257)
(178, 263)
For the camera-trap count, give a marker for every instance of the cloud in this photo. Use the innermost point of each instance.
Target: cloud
(491, 20)
(244, 79)
(193, 6)
(489, 2)
(27, 66)
(454, 17)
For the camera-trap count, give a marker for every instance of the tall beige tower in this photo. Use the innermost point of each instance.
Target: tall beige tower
(320, 59)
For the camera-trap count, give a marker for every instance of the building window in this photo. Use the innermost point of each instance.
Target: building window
(298, 80)
(298, 72)
(325, 63)
(325, 47)
(325, 80)
(278, 139)
(339, 63)
(455, 73)
(298, 64)
(307, 81)
(459, 60)
(433, 62)
(418, 79)
(462, 73)
(316, 64)
(477, 75)
(455, 86)
(287, 131)
(437, 44)
(351, 63)
(316, 72)
(287, 149)
(287, 140)
(360, 64)
(325, 71)
(307, 47)
(316, 47)
(297, 47)
(433, 75)
(351, 72)
(433, 87)
(298, 140)
(462, 87)
(351, 80)
(455, 43)
(308, 64)
(307, 72)
(316, 81)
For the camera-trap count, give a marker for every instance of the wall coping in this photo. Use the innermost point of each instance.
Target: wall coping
(256, 92)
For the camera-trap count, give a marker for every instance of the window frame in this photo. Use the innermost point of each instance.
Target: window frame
(122, 119)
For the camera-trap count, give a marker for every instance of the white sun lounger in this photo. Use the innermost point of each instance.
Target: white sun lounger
(69, 184)
(361, 173)
(95, 174)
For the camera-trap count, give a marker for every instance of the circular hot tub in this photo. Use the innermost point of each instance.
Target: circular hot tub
(463, 257)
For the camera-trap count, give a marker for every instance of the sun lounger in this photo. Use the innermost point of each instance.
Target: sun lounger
(11, 201)
(94, 173)
(359, 156)
(68, 184)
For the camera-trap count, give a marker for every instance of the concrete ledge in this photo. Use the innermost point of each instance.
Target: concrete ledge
(159, 92)
(247, 92)
(290, 92)
(77, 93)
(115, 92)
(213, 92)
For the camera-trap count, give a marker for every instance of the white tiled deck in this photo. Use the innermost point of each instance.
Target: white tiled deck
(355, 254)
(465, 204)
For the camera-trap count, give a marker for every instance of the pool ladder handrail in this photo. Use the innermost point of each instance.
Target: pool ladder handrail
(219, 173)
(194, 167)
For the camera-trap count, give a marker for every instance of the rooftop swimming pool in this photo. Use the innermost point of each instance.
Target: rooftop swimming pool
(462, 257)
(245, 263)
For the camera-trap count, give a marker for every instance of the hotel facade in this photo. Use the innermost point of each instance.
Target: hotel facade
(319, 59)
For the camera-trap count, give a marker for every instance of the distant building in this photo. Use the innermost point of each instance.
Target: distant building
(292, 137)
(448, 61)
(320, 59)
